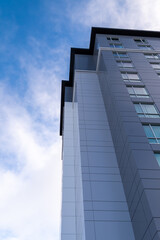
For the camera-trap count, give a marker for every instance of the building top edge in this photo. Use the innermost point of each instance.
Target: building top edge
(89, 51)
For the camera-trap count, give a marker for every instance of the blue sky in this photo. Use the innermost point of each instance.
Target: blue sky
(35, 41)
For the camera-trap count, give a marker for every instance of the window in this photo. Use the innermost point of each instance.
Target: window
(116, 45)
(140, 40)
(157, 156)
(152, 133)
(125, 64)
(146, 110)
(145, 47)
(137, 92)
(155, 65)
(112, 39)
(151, 56)
(158, 73)
(129, 76)
(120, 54)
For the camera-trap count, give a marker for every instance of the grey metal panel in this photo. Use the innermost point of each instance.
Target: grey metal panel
(90, 230)
(112, 216)
(68, 237)
(68, 225)
(102, 187)
(108, 206)
(113, 230)
(105, 191)
(133, 151)
(85, 62)
(68, 94)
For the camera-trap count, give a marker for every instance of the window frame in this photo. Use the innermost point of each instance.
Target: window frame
(114, 45)
(155, 63)
(147, 114)
(158, 160)
(128, 79)
(157, 139)
(114, 39)
(153, 56)
(123, 63)
(138, 95)
(140, 40)
(116, 54)
(145, 47)
(158, 73)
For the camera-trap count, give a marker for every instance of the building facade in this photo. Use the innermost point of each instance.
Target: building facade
(110, 127)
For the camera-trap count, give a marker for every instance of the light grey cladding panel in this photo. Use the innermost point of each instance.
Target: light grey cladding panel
(105, 208)
(72, 227)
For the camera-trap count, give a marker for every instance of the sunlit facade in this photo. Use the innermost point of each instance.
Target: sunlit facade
(110, 127)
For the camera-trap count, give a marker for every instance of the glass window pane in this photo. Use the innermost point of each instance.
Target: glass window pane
(149, 108)
(133, 76)
(152, 116)
(127, 64)
(148, 55)
(140, 90)
(156, 130)
(148, 131)
(145, 47)
(118, 46)
(156, 57)
(142, 47)
(130, 90)
(115, 39)
(152, 140)
(157, 156)
(115, 54)
(137, 40)
(155, 65)
(124, 75)
(112, 39)
(151, 56)
(119, 64)
(138, 108)
(123, 55)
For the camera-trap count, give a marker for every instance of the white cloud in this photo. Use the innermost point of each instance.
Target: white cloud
(30, 158)
(137, 14)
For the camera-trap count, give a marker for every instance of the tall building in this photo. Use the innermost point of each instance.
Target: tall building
(110, 125)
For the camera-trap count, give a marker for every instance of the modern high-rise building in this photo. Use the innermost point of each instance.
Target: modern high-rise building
(110, 125)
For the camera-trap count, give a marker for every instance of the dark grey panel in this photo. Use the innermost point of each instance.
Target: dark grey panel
(85, 62)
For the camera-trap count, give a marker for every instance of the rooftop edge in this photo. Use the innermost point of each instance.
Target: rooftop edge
(89, 51)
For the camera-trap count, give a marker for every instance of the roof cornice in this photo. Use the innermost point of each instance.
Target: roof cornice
(89, 51)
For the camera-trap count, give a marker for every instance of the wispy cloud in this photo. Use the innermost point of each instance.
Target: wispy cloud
(142, 14)
(30, 159)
